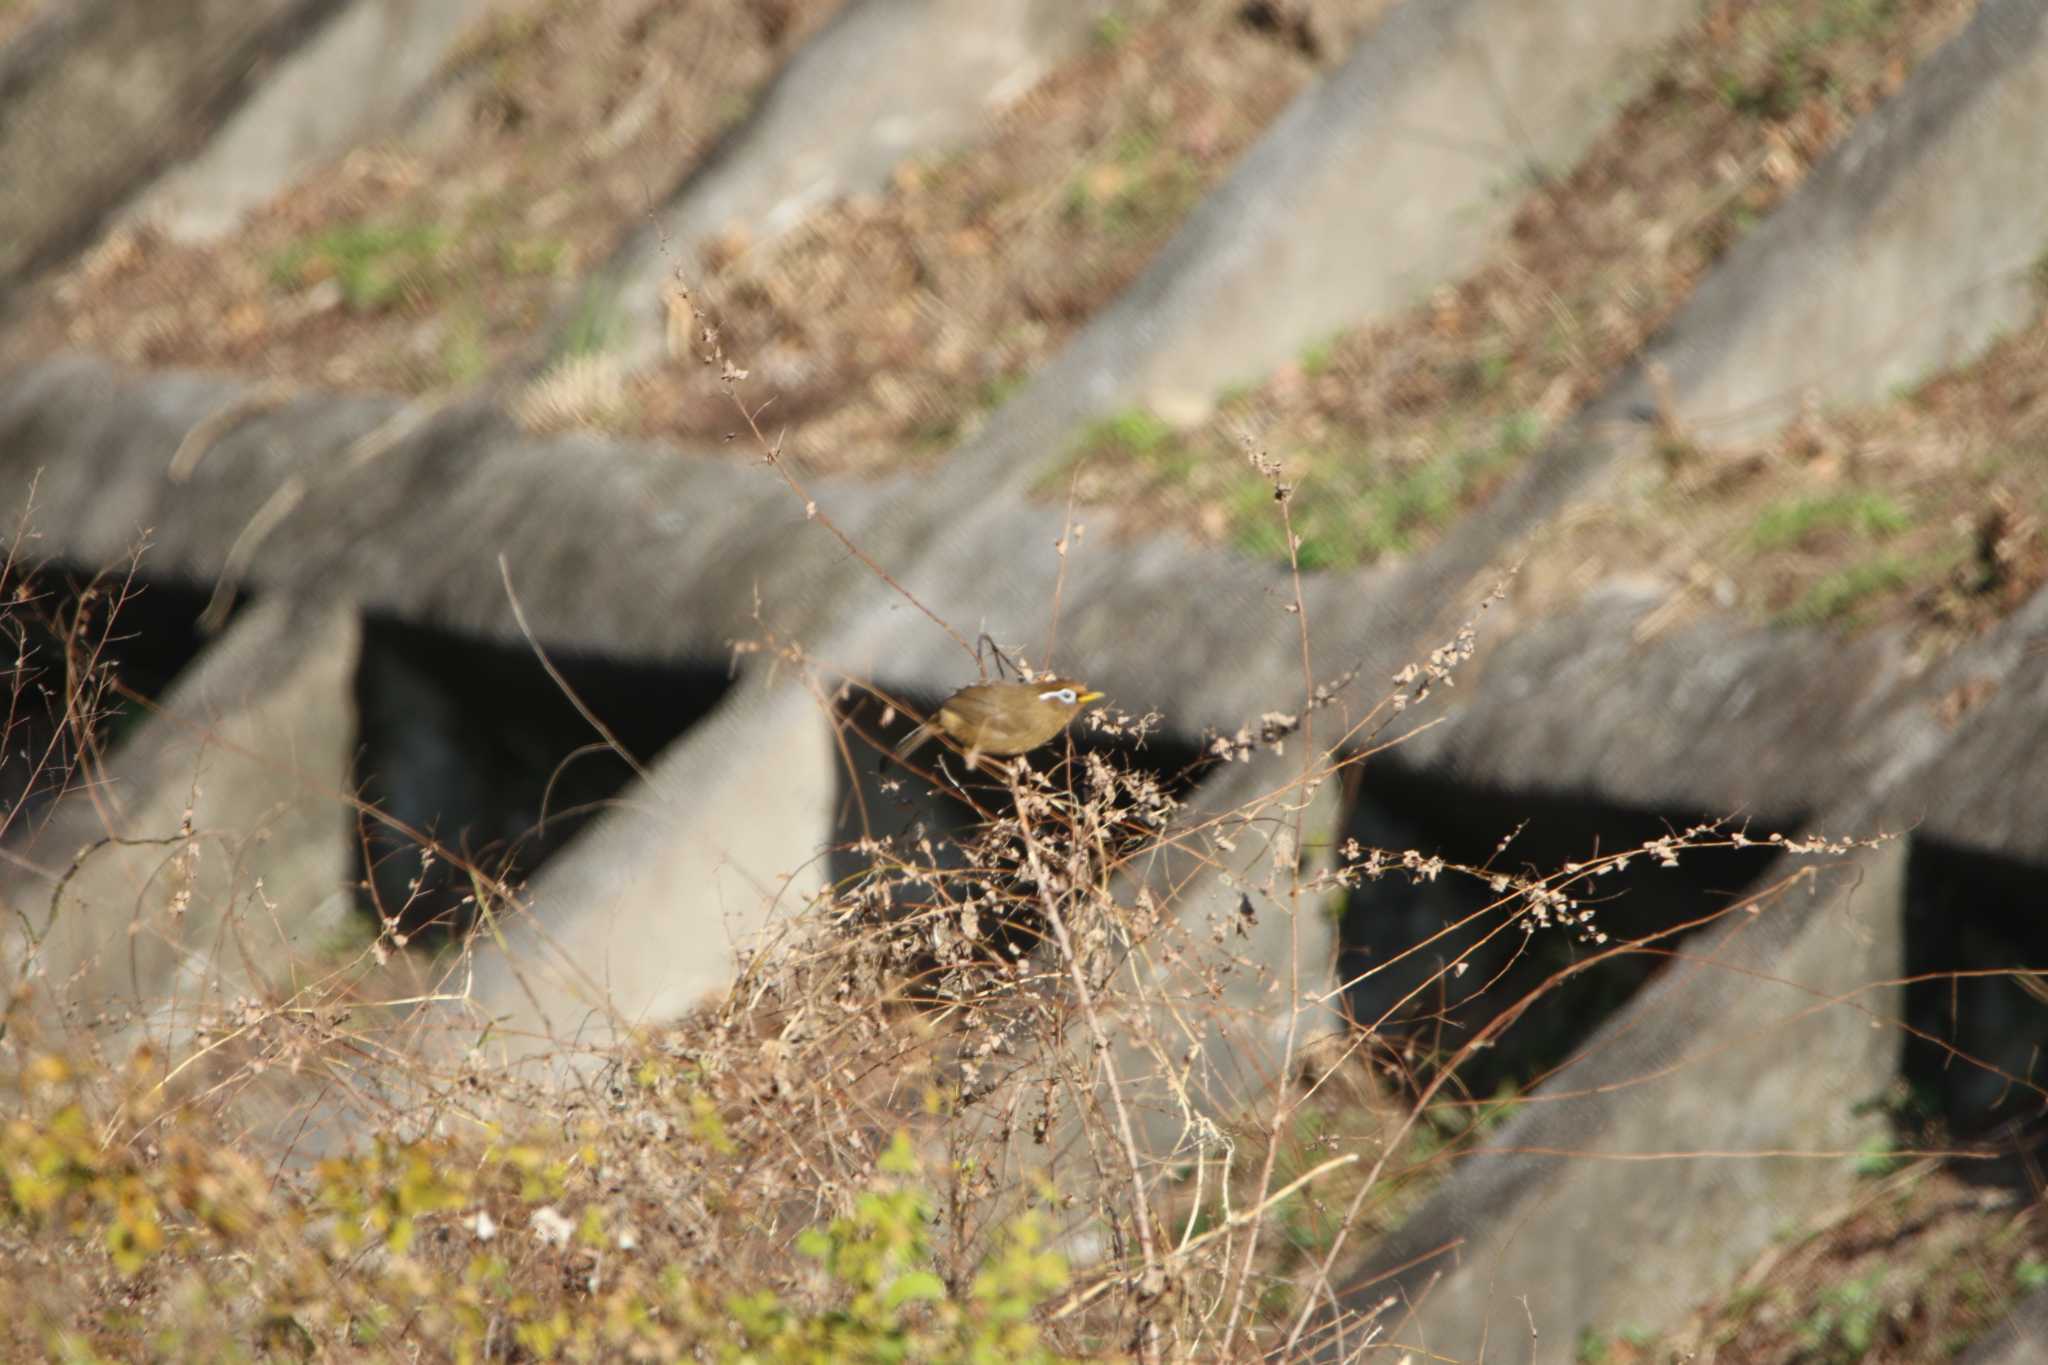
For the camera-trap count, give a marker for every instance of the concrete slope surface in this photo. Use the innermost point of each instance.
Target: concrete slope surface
(2021, 1337)
(1654, 1163)
(837, 120)
(100, 99)
(353, 79)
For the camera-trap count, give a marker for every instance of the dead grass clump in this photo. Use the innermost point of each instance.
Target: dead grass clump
(1927, 513)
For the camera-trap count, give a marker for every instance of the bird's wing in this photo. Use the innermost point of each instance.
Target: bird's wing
(976, 706)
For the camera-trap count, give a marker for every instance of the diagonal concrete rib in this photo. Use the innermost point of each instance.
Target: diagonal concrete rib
(156, 926)
(1384, 182)
(1907, 251)
(1989, 790)
(343, 85)
(98, 102)
(411, 513)
(1624, 1206)
(836, 121)
(1721, 717)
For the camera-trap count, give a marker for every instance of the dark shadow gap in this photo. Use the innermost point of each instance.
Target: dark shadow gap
(1976, 1054)
(471, 742)
(125, 637)
(883, 800)
(1396, 808)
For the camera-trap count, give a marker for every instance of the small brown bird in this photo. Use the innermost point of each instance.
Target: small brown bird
(1003, 718)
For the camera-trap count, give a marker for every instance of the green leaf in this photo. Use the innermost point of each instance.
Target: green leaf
(900, 1159)
(918, 1286)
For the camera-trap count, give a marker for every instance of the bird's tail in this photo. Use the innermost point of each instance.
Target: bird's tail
(908, 744)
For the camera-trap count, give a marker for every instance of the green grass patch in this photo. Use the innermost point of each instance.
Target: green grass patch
(1782, 66)
(1347, 508)
(1844, 1323)
(1792, 521)
(1840, 597)
(1877, 1156)
(463, 353)
(596, 322)
(945, 429)
(1133, 434)
(533, 256)
(1142, 186)
(2039, 272)
(1485, 375)
(1236, 394)
(1344, 521)
(1316, 359)
(376, 265)
(1837, 596)
(993, 392)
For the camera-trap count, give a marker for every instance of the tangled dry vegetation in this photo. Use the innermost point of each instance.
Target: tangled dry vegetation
(983, 1099)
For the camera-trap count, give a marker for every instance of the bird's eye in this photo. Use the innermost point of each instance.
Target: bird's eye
(1064, 696)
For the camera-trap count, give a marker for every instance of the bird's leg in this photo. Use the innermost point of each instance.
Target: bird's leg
(1003, 664)
(947, 773)
(981, 762)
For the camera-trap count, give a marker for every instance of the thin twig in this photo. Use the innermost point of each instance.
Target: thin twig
(1099, 1037)
(1282, 1105)
(771, 451)
(1062, 547)
(590, 717)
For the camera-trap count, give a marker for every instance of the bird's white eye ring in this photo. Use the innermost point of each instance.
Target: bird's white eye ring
(1064, 696)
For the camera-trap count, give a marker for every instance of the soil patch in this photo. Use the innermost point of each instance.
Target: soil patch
(1927, 511)
(1917, 1267)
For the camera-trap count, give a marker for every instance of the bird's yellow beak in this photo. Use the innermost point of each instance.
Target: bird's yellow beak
(1087, 697)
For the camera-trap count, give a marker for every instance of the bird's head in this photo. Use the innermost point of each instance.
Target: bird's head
(1066, 693)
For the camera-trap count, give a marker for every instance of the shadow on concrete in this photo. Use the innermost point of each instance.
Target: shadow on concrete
(472, 742)
(882, 799)
(1977, 1041)
(129, 636)
(1423, 1010)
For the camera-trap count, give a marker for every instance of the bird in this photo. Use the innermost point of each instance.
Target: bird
(1003, 719)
